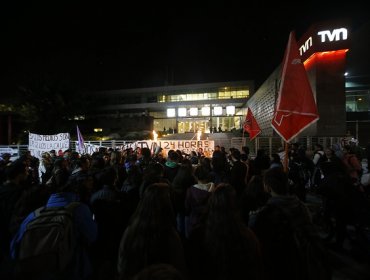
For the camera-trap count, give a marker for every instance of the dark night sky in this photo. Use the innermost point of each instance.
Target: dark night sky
(139, 45)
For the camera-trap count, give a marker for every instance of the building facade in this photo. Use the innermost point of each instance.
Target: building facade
(175, 109)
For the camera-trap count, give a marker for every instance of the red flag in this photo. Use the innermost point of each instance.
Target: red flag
(296, 108)
(251, 126)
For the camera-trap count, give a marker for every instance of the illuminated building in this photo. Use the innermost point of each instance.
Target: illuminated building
(181, 109)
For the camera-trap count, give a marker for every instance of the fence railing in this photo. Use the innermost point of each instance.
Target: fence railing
(270, 144)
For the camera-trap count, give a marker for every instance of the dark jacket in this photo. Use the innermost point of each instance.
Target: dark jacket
(85, 228)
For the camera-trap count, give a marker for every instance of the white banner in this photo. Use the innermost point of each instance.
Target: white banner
(88, 148)
(37, 144)
(185, 146)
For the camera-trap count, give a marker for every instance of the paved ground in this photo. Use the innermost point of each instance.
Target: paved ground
(352, 262)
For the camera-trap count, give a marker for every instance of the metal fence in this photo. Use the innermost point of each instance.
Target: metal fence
(270, 144)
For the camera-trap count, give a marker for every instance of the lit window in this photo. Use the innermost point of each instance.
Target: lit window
(217, 111)
(171, 112)
(230, 110)
(206, 111)
(193, 111)
(181, 112)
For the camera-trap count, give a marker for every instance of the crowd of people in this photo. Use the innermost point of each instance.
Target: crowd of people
(144, 216)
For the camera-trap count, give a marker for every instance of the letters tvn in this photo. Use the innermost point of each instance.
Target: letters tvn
(339, 34)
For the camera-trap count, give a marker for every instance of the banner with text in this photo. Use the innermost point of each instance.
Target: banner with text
(37, 143)
(185, 146)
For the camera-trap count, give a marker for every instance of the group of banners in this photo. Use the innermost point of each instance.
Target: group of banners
(38, 144)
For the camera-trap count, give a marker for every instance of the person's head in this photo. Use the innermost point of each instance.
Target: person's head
(276, 180)
(202, 174)
(261, 152)
(160, 271)
(81, 184)
(82, 162)
(173, 156)
(329, 153)
(245, 150)
(155, 208)
(235, 154)
(275, 158)
(223, 199)
(16, 171)
(348, 149)
(61, 163)
(6, 156)
(106, 177)
(145, 153)
(318, 147)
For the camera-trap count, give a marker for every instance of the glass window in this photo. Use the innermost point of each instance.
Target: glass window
(193, 111)
(171, 112)
(206, 111)
(181, 112)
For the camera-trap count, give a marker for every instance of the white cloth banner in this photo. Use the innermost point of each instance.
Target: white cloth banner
(185, 146)
(88, 148)
(38, 144)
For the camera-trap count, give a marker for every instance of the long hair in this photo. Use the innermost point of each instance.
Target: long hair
(232, 247)
(145, 239)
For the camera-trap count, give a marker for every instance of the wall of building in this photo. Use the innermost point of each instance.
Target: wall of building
(262, 103)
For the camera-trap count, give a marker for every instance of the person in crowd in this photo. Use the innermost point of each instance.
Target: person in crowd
(45, 168)
(197, 197)
(352, 163)
(222, 246)
(284, 228)
(159, 271)
(172, 165)
(151, 236)
(261, 162)
(253, 199)
(86, 231)
(238, 172)
(275, 161)
(10, 192)
(183, 180)
(110, 216)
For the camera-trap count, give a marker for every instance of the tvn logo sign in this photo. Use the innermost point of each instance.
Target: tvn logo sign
(339, 34)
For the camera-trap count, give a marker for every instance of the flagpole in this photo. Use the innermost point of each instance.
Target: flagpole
(243, 137)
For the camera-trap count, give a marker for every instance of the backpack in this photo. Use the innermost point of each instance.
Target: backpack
(350, 163)
(300, 173)
(49, 242)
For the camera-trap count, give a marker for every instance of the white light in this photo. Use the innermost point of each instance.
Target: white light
(206, 111)
(346, 74)
(217, 111)
(199, 133)
(171, 112)
(181, 112)
(230, 110)
(193, 111)
(155, 136)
